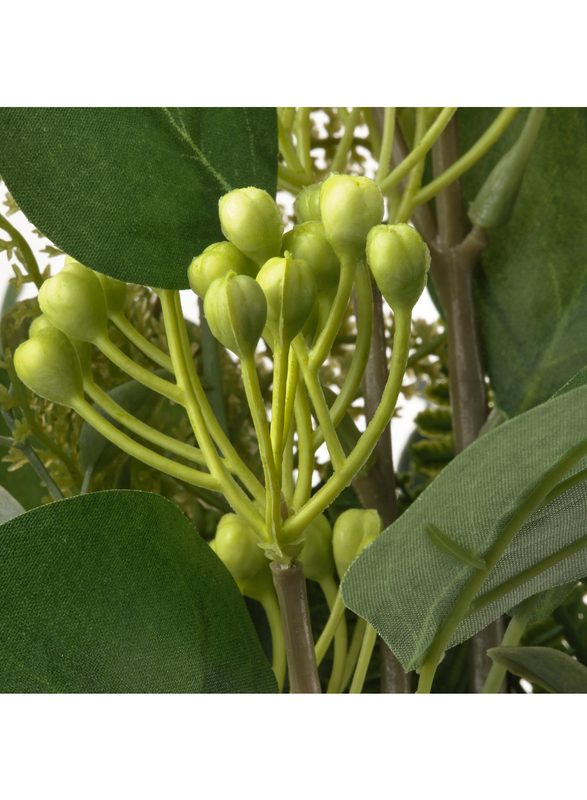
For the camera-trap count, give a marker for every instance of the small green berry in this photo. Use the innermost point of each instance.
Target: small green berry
(217, 261)
(236, 310)
(250, 219)
(399, 260)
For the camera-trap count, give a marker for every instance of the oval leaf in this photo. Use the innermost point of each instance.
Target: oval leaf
(133, 192)
(549, 668)
(115, 592)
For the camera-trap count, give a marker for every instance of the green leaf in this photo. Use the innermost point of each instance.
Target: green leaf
(115, 592)
(133, 192)
(532, 285)
(554, 671)
(405, 586)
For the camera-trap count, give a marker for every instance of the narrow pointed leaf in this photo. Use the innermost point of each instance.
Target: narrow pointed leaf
(451, 548)
(549, 668)
(405, 586)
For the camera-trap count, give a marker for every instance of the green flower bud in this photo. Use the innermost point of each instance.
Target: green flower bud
(216, 262)
(236, 546)
(115, 293)
(307, 203)
(39, 324)
(236, 310)
(49, 365)
(308, 241)
(317, 555)
(353, 531)
(350, 206)
(399, 260)
(75, 303)
(290, 289)
(251, 220)
(83, 349)
(72, 264)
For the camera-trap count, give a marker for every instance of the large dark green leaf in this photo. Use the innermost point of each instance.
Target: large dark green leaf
(549, 668)
(133, 192)
(116, 592)
(532, 286)
(406, 586)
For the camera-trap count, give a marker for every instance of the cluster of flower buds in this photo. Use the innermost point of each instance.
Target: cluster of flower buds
(298, 272)
(76, 304)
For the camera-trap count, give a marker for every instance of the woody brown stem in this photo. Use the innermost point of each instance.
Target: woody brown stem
(290, 586)
(456, 256)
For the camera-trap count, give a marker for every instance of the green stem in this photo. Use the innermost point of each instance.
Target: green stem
(367, 646)
(289, 155)
(140, 428)
(278, 400)
(427, 349)
(511, 638)
(330, 590)
(140, 342)
(465, 162)
(287, 483)
(418, 153)
(354, 650)
(342, 151)
(181, 358)
(269, 602)
(303, 488)
(337, 482)
(141, 453)
(212, 370)
(461, 607)
(327, 635)
(415, 180)
(361, 354)
(323, 346)
(374, 136)
(237, 465)
(140, 374)
(320, 405)
(28, 258)
(302, 130)
(272, 488)
(386, 145)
